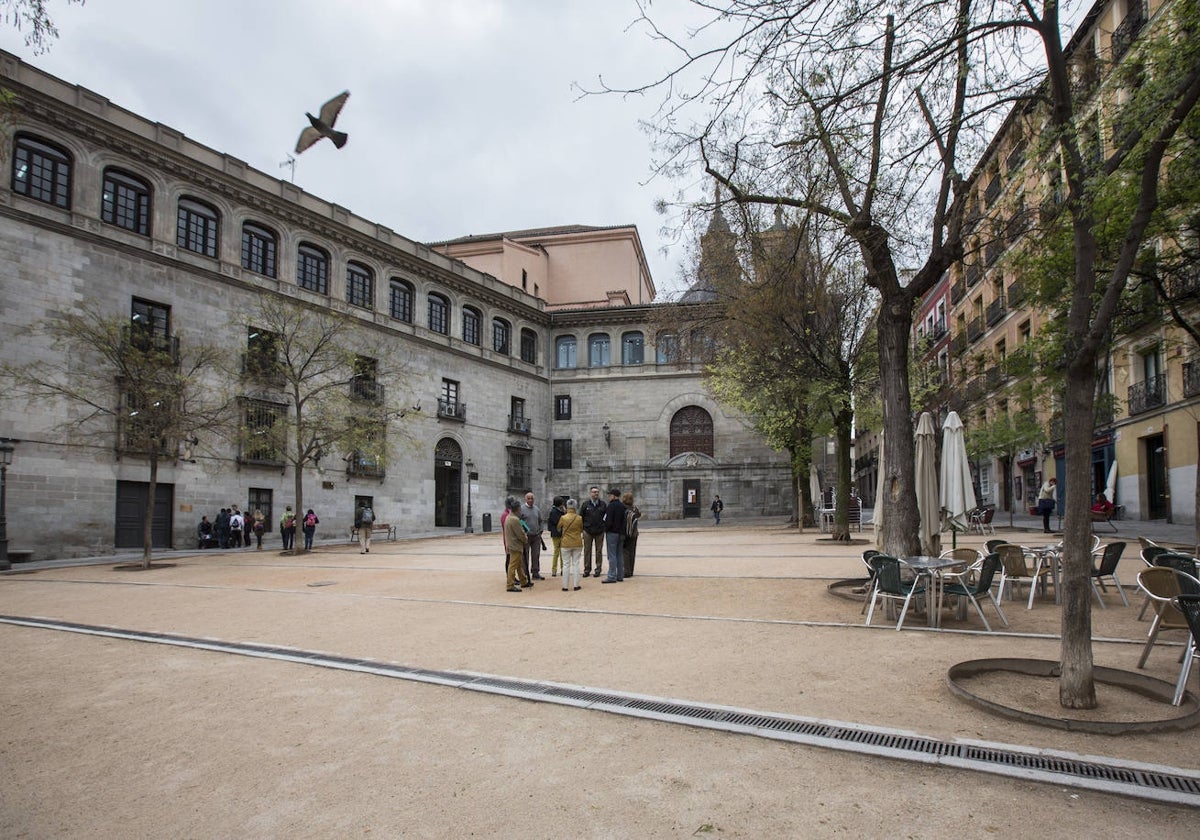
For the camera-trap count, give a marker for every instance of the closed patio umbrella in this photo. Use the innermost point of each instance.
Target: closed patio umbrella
(957, 493)
(1110, 486)
(927, 486)
(814, 488)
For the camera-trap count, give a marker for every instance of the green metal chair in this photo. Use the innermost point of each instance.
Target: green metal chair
(889, 585)
(982, 586)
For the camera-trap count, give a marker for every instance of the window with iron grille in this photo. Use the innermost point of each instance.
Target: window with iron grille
(439, 311)
(562, 454)
(365, 385)
(312, 269)
(501, 336)
(562, 407)
(520, 469)
(259, 499)
(258, 249)
(125, 202)
(528, 346)
(261, 439)
(470, 326)
(262, 353)
(196, 227)
(400, 301)
(41, 172)
(360, 286)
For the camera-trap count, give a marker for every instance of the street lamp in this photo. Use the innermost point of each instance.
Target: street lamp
(6, 453)
(471, 476)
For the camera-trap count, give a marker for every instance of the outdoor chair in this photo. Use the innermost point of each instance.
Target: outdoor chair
(1189, 605)
(990, 545)
(1161, 585)
(982, 586)
(971, 559)
(1110, 556)
(981, 520)
(1016, 569)
(1149, 553)
(1178, 560)
(889, 585)
(1146, 542)
(869, 585)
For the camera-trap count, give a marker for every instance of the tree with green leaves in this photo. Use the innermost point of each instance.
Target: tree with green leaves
(129, 383)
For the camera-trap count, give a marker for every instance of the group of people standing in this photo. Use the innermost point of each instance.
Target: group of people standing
(231, 529)
(574, 532)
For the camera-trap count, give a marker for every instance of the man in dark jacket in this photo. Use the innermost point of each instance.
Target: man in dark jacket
(614, 533)
(592, 512)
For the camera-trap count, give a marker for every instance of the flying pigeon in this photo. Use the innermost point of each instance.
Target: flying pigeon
(322, 126)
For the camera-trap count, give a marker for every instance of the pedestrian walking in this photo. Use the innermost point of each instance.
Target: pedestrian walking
(364, 520)
(716, 507)
(310, 528)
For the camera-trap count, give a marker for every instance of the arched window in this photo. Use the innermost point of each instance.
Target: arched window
(196, 227)
(439, 313)
(528, 346)
(564, 352)
(501, 336)
(360, 286)
(312, 269)
(41, 171)
(692, 431)
(666, 347)
(471, 320)
(400, 301)
(258, 249)
(633, 348)
(125, 202)
(599, 350)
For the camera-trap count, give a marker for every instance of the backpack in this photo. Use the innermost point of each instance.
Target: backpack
(631, 526)
(310, 520)
(367, 517)
(289, 522)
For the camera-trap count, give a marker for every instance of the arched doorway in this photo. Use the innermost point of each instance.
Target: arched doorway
(447, 480)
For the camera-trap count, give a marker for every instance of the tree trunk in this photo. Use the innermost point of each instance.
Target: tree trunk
(298, 479)
(901, 521)
(1076, 687)
(148, 524)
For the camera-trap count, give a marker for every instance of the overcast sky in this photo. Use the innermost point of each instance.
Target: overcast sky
(463, 118)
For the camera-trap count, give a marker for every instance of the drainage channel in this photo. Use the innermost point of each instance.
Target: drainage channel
(1144, 781)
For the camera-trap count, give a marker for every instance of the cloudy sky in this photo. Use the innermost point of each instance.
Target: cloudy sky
(465, 116)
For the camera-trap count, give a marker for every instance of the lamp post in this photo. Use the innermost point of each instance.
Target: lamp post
(6, 453)
(471, 476)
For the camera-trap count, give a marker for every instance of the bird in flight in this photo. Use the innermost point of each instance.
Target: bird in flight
(322, 125)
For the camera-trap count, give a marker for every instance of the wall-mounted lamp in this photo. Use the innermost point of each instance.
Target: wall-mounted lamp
(607, 434)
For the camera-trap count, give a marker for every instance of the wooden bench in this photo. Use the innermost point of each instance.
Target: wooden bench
(380, 529)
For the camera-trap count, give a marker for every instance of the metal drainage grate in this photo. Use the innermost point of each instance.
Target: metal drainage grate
(1145, 781)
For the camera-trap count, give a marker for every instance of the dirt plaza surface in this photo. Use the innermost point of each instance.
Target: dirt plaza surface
(107, 737)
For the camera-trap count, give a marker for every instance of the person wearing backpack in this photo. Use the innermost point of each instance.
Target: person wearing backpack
(556, 512)
(364, 521)
(287, 528)
(310, 528)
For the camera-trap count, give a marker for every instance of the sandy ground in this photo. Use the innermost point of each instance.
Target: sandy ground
(110, 738)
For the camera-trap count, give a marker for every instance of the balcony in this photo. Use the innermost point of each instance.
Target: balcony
(992, 252)
(974, 391)
(367, 390)
(973, 274)
(957, 292)
(1184, 284)
(992, 191)
(1127, 30)
(1016, 293)
(1016, 158)
(359, 465)
(996, 311)
(1139, 307)
(995, 378)
(1147, 395)
(975, 328)
(452, 410)
(958, 344)
(939, 330)
(1191, 378)
(518, 425)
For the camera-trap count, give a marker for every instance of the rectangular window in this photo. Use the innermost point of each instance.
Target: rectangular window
(520, 469)
(562, 407)
(448, 403)
(632, 349)
(471, 327)
(529, 346)
(438, 310)
(564, 357)
(517, 421)
(262, 354)
(196, 228)
(259, 501)
(500, 336)
(562, 454)
(150, 326)
(599, 351)
(364, 385)
(261, 440)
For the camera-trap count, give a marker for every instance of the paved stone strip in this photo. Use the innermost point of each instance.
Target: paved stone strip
(1145, 781)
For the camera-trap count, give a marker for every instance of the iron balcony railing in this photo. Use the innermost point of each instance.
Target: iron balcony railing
(1127, 30)
(366, 389)
(958, 344)
(452, 410)
(1191, 378)
(1147, 395)
(995, 311)
(957, 292)
(518, 425)
(975, 328)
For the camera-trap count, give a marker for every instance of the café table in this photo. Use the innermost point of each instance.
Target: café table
(932, 568)
(1044, 556)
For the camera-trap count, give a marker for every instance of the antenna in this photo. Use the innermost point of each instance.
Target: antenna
(290, 163)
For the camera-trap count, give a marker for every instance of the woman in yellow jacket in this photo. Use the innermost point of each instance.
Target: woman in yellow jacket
(570, 525)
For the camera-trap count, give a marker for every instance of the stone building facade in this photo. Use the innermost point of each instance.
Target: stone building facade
(101, 205)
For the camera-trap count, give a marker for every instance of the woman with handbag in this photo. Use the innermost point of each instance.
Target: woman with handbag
(1048, 501)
